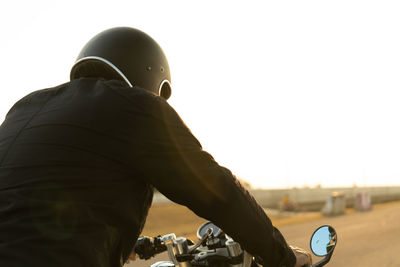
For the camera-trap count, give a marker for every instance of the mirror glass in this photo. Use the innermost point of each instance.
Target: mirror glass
(323, 240)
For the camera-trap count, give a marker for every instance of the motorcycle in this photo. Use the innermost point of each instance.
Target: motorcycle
(217, 249)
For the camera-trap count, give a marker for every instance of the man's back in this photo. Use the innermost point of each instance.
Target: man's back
(67, 185)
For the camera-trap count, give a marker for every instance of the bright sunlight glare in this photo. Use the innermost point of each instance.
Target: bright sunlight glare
(283, 93)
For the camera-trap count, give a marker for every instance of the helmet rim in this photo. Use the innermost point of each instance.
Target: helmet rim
(103, 60)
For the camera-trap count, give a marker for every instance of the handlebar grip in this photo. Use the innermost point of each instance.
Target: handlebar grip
(143, 248)
(146, 247)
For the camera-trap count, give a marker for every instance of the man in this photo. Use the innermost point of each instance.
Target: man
(78, 163)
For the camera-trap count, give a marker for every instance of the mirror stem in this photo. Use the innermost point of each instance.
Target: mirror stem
(325, 260)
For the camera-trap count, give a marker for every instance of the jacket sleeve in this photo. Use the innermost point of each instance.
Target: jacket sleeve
(173, 161)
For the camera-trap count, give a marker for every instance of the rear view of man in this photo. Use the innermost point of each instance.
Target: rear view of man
(78, 163)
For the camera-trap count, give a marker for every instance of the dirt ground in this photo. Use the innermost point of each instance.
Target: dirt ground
(365, 238)
(172, 218)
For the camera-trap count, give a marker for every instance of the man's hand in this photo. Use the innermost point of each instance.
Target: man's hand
(132, 256)
(302, 257)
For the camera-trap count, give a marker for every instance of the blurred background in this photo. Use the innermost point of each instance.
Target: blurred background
(283, 93)
(298, 98)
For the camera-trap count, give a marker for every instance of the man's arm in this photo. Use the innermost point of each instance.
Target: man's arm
(173, 161)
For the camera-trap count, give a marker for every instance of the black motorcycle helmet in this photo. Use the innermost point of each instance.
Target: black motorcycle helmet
(126, 54)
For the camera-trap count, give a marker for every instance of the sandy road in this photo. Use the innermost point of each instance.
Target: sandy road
(364, 239)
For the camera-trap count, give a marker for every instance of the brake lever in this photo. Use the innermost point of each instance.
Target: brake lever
(203, 238)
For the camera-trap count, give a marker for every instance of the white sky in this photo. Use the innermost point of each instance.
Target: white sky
(283, 93)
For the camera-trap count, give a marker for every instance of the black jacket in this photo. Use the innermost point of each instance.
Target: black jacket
(78, 163)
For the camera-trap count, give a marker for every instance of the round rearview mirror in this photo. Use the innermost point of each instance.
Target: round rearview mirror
(323, 240)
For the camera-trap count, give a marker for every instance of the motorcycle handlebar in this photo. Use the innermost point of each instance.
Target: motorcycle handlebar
(147, 247)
